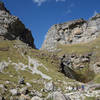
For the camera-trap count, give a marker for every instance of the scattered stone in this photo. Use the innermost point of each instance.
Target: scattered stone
(7, 82)
(57, 96)
(36, 98)
(21, 81)
(24, 97)
(14, 92)
(49, 86)
(1, 86)
(28, 84)
(38, 94)
(24, 90)
(35, 93)
(96, 67)
(3, 65)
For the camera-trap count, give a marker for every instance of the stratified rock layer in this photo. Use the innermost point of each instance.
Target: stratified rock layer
(73, 32)
(11, 28)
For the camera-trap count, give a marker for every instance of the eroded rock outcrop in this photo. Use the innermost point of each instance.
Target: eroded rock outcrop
(73, 32)
(11, 28)
(78, 67)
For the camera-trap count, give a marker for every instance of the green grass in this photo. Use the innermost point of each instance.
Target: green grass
(81, 48)
(97, 78)
(90, 98)
(13, 53)
(85, 74)
(15, 56)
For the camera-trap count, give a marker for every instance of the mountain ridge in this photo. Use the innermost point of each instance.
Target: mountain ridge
(12, 28)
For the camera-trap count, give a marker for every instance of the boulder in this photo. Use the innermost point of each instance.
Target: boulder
(36, 98)
(24, 90)
(36, 93)
(21, 81)
(57, 96)
(3, 65)
(24, 97)
(28, 84)
(96, 67)
(49, 86)
(14, 92)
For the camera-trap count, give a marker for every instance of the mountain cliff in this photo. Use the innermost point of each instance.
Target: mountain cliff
(11, 28)
(72, 32)
(77, 43)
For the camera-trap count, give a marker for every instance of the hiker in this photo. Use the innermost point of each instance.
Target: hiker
(72, 87)
(77, 87)
(82, 87)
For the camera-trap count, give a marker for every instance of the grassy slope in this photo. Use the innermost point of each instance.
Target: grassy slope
(10, 73)
(81, 48)
(44, 57)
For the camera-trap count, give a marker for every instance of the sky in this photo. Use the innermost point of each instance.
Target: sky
(40, 15)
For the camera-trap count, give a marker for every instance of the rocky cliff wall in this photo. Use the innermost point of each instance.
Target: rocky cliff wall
(73, 32)
(11, 28)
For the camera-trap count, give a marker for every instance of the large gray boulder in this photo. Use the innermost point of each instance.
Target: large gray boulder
(11, 28)
(73, 32)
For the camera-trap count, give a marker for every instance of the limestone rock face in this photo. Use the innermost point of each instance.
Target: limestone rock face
(73, 32)
(11, 28)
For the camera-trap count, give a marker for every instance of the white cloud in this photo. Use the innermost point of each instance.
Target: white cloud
(60, 0)
(39, 2)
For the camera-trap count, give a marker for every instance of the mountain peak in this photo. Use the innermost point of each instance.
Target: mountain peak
(2, 7)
